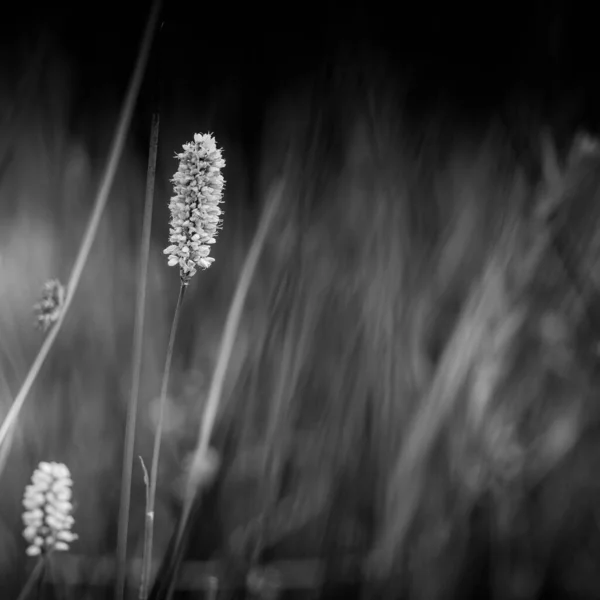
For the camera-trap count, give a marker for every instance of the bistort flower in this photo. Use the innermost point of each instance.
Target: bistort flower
(47, 502)
(48, 308)
(195, 211)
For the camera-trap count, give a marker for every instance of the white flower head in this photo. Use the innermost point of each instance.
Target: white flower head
(49, 307)
(195, 212)
(47, 502)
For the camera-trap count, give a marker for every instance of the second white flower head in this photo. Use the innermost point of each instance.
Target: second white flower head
(47, 502)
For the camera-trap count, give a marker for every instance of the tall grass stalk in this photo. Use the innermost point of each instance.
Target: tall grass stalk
(137, 365)
(149, 528)
(4, 450)
(116, 151)
(225, 350)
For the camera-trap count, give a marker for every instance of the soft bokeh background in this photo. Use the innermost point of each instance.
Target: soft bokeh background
(390, 258)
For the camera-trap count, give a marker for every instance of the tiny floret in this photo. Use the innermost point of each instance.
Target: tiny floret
(195, 212)
(48, 309)
(47, 517)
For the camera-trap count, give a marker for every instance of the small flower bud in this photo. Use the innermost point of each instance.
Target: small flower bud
(49, 307)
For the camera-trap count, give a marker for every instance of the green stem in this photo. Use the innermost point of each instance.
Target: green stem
(149, 529)
(137, 366)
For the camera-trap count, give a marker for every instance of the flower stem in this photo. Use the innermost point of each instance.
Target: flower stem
(40, 583)
(36, 576)
(274, 201)
(149, 529)
(138, 346)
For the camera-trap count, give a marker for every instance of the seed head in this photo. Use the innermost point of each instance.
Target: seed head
(48, 308)
(47, 502)
(195, 211)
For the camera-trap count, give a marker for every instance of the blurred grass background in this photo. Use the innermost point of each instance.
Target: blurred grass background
(397, 210)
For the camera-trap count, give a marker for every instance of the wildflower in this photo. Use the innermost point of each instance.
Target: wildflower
(195, 212)
(47, 502)
(49, 307)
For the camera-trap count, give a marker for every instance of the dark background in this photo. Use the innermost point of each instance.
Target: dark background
(470, 56)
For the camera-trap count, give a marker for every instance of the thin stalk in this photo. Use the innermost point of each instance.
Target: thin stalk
(40, 583)
(149, 529)
(36, 576)
(138, 346)
(147, 489)
(226, 348)
(116, 151)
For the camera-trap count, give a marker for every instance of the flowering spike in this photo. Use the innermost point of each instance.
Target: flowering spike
(49, 307)
(47, 517)
(195, 211)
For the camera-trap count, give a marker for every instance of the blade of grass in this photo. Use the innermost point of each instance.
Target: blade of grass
(137, 366)
(116, 151)
(143, 578)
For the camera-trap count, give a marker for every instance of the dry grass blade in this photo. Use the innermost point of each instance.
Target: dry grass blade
(137, 365)
(90, 233)
(486, 307)
(279, 432)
